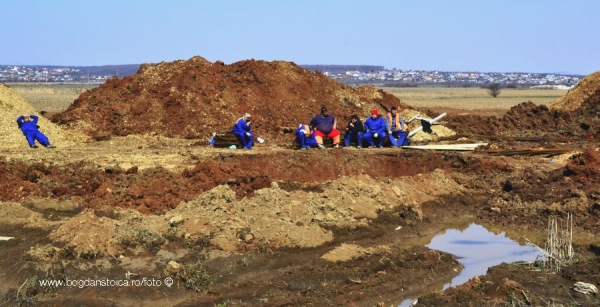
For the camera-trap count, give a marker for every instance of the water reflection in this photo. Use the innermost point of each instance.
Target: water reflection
(478, 249)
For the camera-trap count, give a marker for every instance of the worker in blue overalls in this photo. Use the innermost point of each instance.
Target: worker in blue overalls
(29, 127)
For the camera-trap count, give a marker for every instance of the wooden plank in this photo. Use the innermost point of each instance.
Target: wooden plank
(459, 147)
(529, 152)
(538, 139)
(225, 140)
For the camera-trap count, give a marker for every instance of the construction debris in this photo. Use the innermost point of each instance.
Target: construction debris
(425, 123)
(585, 288)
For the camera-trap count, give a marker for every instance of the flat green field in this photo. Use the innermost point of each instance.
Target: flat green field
(471, 98)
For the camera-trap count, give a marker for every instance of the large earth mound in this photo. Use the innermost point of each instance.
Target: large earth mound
(193, 98)
(12, 105)
(586, 92)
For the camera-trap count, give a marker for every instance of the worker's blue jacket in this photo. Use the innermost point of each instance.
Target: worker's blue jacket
(376, 125)
(241, 127)
(28, 126)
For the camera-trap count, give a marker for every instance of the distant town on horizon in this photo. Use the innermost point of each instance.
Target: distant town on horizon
(347, 74)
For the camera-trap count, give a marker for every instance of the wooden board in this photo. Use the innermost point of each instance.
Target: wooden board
(530, 152)
(223, 140)
(459, 147)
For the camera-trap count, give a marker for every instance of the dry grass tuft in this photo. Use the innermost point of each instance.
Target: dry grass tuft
(558, 250)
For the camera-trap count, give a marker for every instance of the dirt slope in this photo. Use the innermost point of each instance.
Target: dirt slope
(12, 105)
(530, 120)
(193, 98)
(576, 114)
(586, 92)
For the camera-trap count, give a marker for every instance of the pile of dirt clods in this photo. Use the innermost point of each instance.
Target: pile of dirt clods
(193, 98)
(577, 114)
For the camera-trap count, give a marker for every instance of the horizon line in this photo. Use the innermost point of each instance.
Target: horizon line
(358, 65)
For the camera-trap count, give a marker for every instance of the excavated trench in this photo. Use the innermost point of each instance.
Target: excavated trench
(155, 190)
(388, 266)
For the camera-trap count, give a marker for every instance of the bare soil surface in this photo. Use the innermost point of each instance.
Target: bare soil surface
(144, 200)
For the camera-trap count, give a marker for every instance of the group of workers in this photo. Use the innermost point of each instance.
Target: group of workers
(375, 128)
(373, 132)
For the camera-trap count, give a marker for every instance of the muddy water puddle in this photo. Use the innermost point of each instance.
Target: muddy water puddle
(478, 249)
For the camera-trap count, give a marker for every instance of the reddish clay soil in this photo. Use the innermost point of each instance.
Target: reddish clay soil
(528, 119)
(156, 190)
(193, 98)
(282, 227)
(576, 116)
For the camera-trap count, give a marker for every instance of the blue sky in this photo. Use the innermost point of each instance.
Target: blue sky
(464, 35)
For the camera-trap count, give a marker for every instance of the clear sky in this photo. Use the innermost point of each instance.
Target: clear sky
(541, 36)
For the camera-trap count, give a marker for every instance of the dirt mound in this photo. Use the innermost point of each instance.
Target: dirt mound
(193, 98)
(523, 117)
(584, 168)
(12, 105)
(272, 218)
(575, 114)
(15, 214)
(529, 119)
(586, 92)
